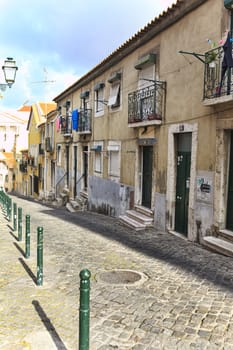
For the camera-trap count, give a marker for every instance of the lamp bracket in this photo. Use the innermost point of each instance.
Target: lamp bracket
(197, 55)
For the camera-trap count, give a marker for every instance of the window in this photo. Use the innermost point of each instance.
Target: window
(98, 162)
(146, 76)
(98, 159)
(115, 90)
(114, 96)
(99, 100)
(114, 160)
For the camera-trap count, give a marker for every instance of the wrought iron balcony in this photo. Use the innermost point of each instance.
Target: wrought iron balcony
(84, 123)
(218, 83)
(147, 105)
(23, 167)
(66, 125)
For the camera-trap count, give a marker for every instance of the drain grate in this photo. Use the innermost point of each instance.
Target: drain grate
(122, 277)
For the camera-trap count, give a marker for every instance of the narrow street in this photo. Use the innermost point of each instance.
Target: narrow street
(182, 297)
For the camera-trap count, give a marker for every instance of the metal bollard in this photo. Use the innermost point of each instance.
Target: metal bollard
(15, 216)
(19, 224)
(84, 310)
(9, 209)
(39, 256)
(27, 237)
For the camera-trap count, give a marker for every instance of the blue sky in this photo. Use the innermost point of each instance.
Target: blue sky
(60, 40)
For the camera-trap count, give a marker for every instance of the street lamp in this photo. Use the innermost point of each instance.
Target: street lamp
(9, 70)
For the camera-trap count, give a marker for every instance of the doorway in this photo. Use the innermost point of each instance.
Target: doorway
(75, 170)
(229, 218)
(147, 166)
(183, 165)
(85, 168)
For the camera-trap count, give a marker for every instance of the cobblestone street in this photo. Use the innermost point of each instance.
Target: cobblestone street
(185, 300)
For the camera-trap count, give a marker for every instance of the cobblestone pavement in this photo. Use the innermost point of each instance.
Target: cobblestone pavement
(184, 302)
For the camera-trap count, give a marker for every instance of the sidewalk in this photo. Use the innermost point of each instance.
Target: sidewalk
(182, 297)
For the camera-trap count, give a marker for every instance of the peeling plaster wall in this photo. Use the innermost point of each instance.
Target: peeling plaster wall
(160, 211)
(108, 197)
(204, 211)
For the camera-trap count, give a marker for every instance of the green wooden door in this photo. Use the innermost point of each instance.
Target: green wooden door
(229, 223)
(182, 183)
(147, 175)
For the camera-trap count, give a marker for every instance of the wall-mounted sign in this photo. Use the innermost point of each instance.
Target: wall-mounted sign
(204, 188)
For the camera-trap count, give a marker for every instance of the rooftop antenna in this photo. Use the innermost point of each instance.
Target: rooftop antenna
(46, 80)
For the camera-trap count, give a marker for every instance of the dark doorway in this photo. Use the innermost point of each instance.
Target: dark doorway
(147, 163)
(183, 142)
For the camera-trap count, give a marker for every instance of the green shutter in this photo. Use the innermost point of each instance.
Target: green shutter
(84, 94)
(145, 60)
(114, 77)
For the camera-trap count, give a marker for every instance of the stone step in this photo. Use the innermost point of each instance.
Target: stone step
(83, 194)
(70, 208)
(226, 234)
(126, 220)
(144, 210)
(138, 216)
(219, 245)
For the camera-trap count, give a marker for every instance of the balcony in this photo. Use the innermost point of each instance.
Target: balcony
(23, 167)
(84, 124)
(146, 106)
(218, 85)
(66, 126)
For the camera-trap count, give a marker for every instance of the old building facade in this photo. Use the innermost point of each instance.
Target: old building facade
(148, 131)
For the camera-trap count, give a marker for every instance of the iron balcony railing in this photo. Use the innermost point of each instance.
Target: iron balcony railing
(23, 167)
(217, 80)
(66, 125)
(84, 123)
(147, 103)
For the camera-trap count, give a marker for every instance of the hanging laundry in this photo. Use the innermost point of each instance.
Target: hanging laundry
(58, 123)
(227, 59)
(75, 119)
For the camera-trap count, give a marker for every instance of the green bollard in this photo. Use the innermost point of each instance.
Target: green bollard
(39, 256)
(10, 210)
(27, 237)
(15, 216)
(19, 224)
(84, 310)
(7, 207)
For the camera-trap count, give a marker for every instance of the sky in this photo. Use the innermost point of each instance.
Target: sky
(55, 42)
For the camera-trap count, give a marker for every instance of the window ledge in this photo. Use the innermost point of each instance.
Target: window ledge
(145, 123)
(217, 100)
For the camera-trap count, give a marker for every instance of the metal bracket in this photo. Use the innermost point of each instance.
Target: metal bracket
(197, 55)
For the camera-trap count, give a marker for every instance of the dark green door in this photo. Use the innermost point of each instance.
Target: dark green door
(147, 160)
(182, 182)
(75, 169)
(229, 223)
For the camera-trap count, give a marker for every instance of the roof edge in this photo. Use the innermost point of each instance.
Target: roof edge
(153, 28)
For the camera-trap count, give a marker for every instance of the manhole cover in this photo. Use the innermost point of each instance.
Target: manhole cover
(123, 277)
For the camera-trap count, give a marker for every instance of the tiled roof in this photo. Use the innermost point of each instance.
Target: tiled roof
(8, 158)
(40, 110)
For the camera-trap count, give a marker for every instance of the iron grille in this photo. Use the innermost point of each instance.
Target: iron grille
(66, 125)
(216, 83)
(23, 167)
(147, 103)
(84, 124)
